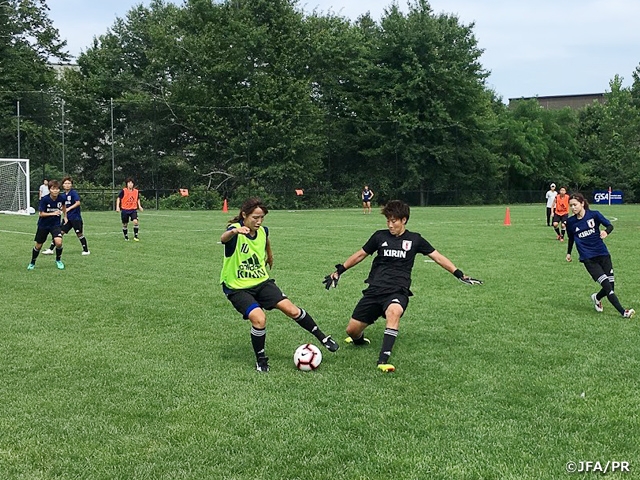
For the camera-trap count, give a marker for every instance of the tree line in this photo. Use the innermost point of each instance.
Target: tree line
(246, 97)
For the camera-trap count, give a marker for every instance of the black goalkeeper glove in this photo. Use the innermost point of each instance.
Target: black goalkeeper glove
(329, 282)
(464, 279)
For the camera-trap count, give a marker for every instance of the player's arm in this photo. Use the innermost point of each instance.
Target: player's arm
(75, 205)
(352, 261)
(232, 232)
(140, 206)
(269, 254)
(448, 265)
(118, 202)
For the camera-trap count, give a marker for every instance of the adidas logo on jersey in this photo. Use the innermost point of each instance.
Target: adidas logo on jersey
(385, 244)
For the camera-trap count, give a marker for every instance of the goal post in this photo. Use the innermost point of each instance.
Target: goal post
(14, 186)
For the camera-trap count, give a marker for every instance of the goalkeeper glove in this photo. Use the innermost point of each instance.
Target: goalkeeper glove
(464, 279)
(329, 281)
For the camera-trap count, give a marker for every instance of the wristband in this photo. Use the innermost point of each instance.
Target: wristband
(340, 269)
(458, 273)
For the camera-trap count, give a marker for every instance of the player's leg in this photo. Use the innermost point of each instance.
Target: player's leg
(134, 217)
(556, 222)
(124, 216)
(393, 312)
(563, 228)
(57, 240)
(548, 216)
(306, 321)
(78, 227)
(355, 330)
(607, 266)
(596, 269)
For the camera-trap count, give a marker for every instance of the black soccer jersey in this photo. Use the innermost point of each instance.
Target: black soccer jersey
(391, 268)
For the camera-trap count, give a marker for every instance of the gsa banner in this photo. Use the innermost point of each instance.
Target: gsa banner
(602, 197)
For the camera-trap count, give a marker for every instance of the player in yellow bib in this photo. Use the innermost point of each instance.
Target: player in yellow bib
(246, 283)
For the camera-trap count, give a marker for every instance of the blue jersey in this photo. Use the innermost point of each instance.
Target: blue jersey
(48, 205)
(366, 195)
(73, 197)
(585, 232)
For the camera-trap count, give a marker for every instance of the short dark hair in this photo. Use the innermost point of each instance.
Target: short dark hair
(128, 179)
(54, 183)
(396, 209)
(67, 178)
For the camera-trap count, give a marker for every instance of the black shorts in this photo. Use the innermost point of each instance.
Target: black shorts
(560, 218)
(43, 232)
(265, 295)
(373, 306)
(599, 267)
(75, 224)
(125, 215)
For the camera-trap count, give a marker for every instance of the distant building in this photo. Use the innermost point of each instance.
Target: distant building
(60, 68)
(556, 102)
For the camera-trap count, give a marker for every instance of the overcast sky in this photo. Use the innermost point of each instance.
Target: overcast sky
(542, 47)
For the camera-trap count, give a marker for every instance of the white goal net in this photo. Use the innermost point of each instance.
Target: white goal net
(14, 186)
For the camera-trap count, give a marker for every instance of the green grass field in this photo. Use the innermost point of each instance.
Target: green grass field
(131, 364)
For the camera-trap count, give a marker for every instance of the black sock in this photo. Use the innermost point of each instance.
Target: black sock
(125, 231)
(611, 296)
(135, 231)
(359, 340)
(58, 253)
(83, 242)
(601, 294)
(258, 338)
(557, 230)
(563, 231)
(308, 323)
(387, 345)
(52, 246)
(34, 255)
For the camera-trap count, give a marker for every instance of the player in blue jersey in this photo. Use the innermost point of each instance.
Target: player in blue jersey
(389, 279)
(51, 210)
(74, 217)
(366, 195)
(583, 229)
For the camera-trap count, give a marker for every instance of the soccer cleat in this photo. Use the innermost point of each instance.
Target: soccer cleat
(364, 341)
(60, 265)
(386, 367)
(629, 313)
(136, 239)
(330, 344)
(86, 253)
(562, 239)
(262, 365)
(48, 251)
(31, 266)
(597, 304)
(126, 239)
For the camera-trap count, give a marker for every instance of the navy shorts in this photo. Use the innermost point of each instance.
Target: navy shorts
(125, 215)
(76, 225)
(373, 306)
(43, 232)
(265, 295)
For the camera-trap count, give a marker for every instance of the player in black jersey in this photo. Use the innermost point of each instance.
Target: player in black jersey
(389, 279)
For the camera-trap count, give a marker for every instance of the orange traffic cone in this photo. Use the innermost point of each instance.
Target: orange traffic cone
(225, 207)
(507, 217)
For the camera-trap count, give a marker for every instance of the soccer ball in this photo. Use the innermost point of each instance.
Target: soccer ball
(307, 357)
